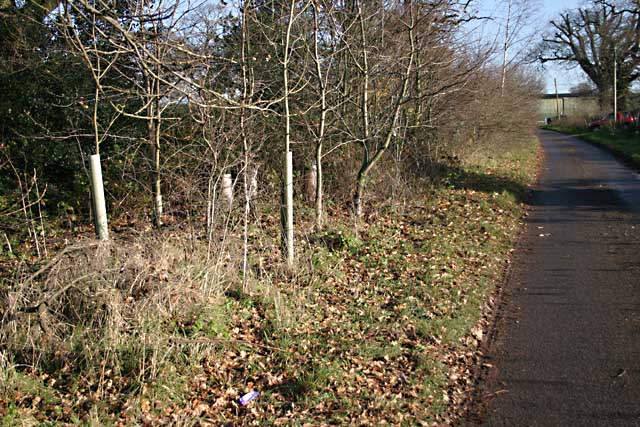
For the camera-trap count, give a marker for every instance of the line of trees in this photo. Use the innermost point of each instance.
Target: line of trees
(196, 99)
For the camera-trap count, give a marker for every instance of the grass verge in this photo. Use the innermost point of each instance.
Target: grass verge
(625, 144)
(379, 324)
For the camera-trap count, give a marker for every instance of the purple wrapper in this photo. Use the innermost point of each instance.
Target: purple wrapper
(244, 400)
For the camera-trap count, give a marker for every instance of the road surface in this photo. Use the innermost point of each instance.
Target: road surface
(566, 347)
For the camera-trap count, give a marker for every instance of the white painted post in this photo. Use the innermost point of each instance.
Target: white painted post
(158, 206)
(227, 188)
(99, 205)
(289, 196)
(253, 186)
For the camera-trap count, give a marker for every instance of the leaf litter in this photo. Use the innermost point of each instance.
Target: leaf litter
(386, 331)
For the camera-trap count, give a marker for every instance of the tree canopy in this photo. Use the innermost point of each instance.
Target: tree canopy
(596, 37)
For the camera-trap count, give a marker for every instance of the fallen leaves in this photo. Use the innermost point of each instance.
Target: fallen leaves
(385, 332)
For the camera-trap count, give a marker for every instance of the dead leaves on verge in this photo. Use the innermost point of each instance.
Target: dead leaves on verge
(389, 337)
(384, 332)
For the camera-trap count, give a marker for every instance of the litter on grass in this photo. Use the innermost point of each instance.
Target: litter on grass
(247, 398)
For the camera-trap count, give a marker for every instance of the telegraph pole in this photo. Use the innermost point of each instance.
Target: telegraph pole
(555, 83)
(615, 87)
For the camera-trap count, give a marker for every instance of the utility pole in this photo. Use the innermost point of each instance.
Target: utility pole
(615, 87)
(505, 49)
(555, 83)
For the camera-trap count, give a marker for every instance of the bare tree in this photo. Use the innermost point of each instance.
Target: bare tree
(374, 147)
(518, 31)
(250, 171)
(100, 59)
(288, 155)
(403, 55)
(157, 74)
(322, 122)
(596, 37)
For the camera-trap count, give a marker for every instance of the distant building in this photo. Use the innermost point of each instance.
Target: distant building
(578, 105)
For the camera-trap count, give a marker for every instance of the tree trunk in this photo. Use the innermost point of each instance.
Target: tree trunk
(310, 182)
(321, 125)
(288, 162)
(364, 116)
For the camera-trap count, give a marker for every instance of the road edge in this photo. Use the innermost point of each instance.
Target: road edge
(474, 408)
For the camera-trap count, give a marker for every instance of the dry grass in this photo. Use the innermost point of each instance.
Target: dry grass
(118, 315)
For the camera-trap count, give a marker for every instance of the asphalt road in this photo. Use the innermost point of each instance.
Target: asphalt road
(566, 346)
